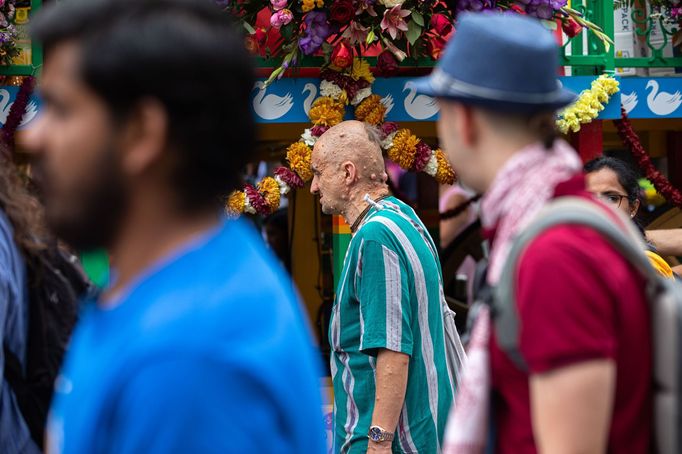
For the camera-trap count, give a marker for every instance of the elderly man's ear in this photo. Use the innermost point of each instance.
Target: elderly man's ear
(350, 172)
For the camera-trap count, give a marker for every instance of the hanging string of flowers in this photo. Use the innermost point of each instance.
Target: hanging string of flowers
(339, 88)
(632, 142)
(589, 104)
(16, 112)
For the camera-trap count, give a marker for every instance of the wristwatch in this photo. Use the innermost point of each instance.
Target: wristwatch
(377, 434)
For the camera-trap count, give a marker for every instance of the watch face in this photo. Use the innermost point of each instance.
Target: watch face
(375, 434)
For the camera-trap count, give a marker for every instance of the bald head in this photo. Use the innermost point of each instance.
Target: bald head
(356, 142)
(347, 164)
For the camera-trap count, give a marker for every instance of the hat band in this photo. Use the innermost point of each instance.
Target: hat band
(444, 83)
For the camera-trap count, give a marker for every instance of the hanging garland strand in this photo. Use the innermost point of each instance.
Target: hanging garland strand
(16, 112)
(588, 105)
(338, 89)
(631, 140)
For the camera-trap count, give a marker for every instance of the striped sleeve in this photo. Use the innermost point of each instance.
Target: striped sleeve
(384, 294)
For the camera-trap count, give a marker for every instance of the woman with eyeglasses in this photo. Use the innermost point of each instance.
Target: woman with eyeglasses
(617, 184)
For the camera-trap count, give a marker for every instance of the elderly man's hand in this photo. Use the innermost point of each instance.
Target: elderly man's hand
(379, 448)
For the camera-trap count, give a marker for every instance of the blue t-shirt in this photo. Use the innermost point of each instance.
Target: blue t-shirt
(206, 353)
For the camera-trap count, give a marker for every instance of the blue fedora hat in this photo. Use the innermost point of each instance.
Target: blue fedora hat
(503, 62)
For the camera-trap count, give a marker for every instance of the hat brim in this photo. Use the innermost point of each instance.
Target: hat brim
(425, 86)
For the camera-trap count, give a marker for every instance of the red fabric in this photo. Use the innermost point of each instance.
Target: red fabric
(578, 300)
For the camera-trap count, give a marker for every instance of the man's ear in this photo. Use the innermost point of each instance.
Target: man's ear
(143, 137)
(467, 124)
(350, 172)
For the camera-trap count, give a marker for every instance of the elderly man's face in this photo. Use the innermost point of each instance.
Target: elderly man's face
(328, 180)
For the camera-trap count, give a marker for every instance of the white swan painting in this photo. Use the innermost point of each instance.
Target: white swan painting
(420, 107)
(388, 102)
(629, 101)
(662, 103)
(271, 107)
(311, 89)
(6, 105)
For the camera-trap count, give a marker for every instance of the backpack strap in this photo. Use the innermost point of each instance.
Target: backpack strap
(562, 211)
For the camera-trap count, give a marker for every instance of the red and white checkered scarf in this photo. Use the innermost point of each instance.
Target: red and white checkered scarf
(520, 190)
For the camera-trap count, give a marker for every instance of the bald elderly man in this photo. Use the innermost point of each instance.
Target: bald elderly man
(392, 390)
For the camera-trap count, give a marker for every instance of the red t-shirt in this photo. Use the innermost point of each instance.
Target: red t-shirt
(578, 300)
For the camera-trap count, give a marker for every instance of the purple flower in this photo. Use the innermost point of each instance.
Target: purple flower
(475, 5)
(222, 3)
(542, 9)
(316, 32)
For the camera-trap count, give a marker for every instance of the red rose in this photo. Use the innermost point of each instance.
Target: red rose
(342, 56)
(441, 24)
(387, 65)
(342, 11)
(571, 27)
(436, 46)
(261, 36)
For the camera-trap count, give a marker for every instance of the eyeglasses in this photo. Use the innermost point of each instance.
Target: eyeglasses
(611, 198)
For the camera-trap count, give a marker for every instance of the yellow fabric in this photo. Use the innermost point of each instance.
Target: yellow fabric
(659, 264)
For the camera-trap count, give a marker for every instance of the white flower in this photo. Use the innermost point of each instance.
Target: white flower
(361, 95)
(308, 138)
(432, 166)
(330, 89)
(283, 187)
(387, 143)
(247, 206)
(391, 3)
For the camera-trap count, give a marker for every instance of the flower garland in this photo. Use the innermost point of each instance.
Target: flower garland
(8, 32)
(589, 104)
(289, 30)
(631, 140)
(337, 90)
(17, 111)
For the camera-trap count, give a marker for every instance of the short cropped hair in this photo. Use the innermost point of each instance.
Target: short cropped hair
(185, 54)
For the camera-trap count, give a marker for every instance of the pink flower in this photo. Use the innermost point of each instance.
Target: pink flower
(279, 4)
(356, 33)
(394, 20)
(281, 18)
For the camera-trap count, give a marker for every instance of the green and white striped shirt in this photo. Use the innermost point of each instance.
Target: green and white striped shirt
(389, 296)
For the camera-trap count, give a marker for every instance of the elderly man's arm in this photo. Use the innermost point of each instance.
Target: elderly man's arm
(391, 383)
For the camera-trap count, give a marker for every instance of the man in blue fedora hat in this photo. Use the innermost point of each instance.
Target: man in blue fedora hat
(584, 332)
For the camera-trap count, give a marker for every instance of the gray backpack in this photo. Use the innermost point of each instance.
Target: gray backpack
(664, 296)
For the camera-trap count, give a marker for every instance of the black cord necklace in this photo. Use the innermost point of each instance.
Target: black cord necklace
(358, 221)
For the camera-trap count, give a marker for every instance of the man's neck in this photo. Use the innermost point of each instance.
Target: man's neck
(358, 204)
(149, 237)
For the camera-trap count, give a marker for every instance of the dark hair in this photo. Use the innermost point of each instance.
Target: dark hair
(627, 176)
(185, 54)
(23, 211)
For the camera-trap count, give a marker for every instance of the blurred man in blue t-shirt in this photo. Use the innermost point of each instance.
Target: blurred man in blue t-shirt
(199, 344)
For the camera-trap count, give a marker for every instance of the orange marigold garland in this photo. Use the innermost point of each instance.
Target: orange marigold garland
(327, 111)
(411, 153)
(338, 89)
(271, 192)
(404, 149)
(371, 110)
(299, 156)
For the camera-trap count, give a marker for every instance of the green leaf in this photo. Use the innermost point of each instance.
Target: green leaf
(287, 31)
(249, 28)
(371, 37)
(418, 18)
(414, 31)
